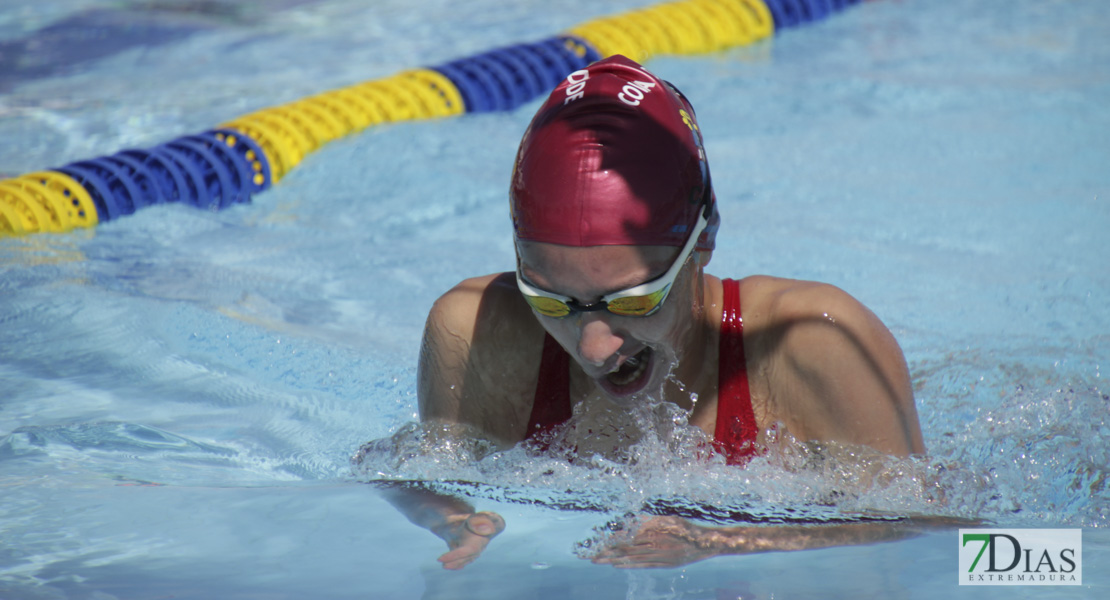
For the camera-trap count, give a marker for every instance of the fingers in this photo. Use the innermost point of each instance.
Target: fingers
(644, 561)
(645, 565)
(469, 538)
(658, 544)
(459, 557)
(486, 524)
(467, 549)
(626, 554)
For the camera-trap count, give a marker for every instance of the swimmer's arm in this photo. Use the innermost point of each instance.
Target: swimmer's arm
(843, 374)
(478, 359)
(674, 541)
(453, 520)
(749, 540)
(444, 352)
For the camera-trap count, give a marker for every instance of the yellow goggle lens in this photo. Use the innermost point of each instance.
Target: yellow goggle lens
(637, 306)
(548, 307)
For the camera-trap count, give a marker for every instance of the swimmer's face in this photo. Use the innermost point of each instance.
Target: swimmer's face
(624, 355)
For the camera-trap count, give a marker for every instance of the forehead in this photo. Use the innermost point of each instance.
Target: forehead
(593, 270)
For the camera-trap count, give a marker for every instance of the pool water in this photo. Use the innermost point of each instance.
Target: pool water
(181, 391)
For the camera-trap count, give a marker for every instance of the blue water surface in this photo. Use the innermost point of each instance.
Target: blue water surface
(181, 391)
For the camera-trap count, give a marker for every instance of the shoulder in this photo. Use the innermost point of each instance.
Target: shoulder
(792, 324)
(486, 313)
(480, 356)
(778, 298)
(787, 309)
(473, 302)
(831, 366)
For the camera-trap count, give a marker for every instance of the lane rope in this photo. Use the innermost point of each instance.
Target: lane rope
(227, 165)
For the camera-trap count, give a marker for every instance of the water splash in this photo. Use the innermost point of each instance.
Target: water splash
(647, 459)
(1034, 456)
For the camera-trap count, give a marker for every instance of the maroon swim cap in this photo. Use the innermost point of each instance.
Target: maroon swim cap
(613, 157)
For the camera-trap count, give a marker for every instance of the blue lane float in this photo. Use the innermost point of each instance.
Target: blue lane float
(225, 166)
(505, 78)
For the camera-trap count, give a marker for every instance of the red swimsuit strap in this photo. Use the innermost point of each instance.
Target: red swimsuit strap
(736, 428)
(552, 401)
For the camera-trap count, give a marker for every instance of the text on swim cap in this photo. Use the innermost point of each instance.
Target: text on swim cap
(577, 81)
(631, 94)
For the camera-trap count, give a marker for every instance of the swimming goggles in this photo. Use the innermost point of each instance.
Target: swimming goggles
(639, 301)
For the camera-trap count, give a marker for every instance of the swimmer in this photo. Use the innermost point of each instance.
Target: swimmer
(614, 217)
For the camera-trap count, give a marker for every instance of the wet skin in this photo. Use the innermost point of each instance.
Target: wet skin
(623, 356)
(819, 364)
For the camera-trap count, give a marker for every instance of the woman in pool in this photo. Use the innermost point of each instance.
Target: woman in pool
(615, 218)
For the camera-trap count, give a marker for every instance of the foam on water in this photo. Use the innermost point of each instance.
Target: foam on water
(656, 460)
(181, 391)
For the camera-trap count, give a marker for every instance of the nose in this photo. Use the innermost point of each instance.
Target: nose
(597, 341)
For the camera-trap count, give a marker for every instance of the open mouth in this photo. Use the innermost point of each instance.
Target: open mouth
(631, 376)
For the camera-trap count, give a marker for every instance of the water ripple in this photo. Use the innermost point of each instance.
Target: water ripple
(125, 438)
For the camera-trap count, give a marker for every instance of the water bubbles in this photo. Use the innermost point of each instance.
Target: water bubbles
(1022, 461)
(1013, 448)
(661, 465)
(425, 451)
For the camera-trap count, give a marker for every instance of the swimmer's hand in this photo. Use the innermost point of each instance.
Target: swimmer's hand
(467, 536)
(659, 542)
(673, 541)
